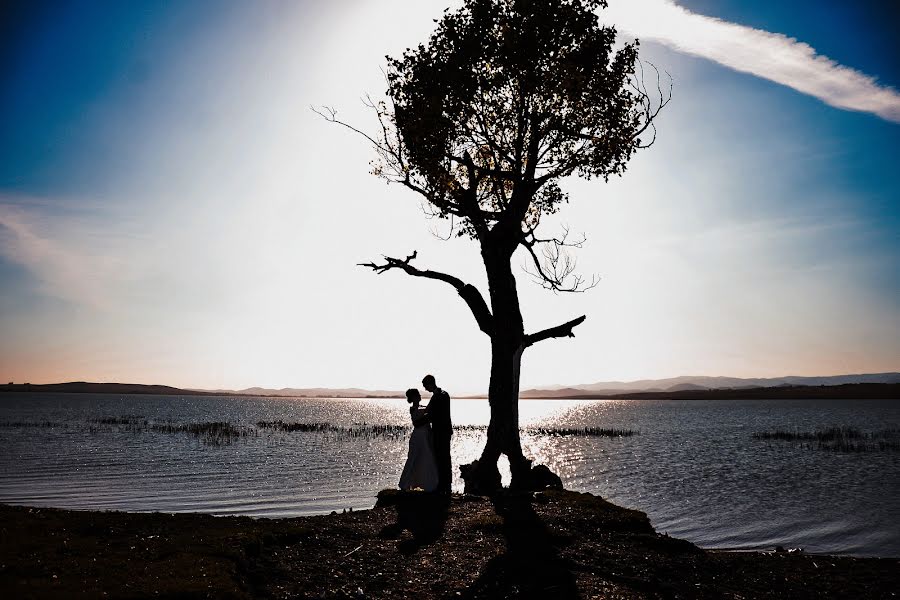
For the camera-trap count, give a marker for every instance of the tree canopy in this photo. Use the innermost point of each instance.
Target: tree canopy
(505, 99)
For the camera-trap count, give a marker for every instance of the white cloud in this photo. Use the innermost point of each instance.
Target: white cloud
(62, 267)
(772, 56)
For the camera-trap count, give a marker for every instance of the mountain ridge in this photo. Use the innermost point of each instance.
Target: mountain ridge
(718, 382)
(683, 386)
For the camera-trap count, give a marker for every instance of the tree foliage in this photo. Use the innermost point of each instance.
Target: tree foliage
(505, 99)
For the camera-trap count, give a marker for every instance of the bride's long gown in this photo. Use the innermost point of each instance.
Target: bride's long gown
(420, 471)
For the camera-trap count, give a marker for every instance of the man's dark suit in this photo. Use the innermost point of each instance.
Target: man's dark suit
(442, 429)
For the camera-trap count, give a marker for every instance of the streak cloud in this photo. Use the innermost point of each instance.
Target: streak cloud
(773, 56)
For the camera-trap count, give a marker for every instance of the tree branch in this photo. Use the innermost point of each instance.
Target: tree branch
(564, 330)
(395, 167)
(469, 293)
(647, 102)
(557, 267)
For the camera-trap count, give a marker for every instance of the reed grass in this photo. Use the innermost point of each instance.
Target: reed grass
(837, 439)
(41, 424)
(214, 432)
(367, 430)
(123, 420)
(582, 431)
(292, 427)
(357, 430)
(219, 432)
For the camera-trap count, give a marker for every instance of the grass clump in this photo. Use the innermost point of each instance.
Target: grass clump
(123, 420)
(582, 431)
(40, 424)
(357, 430)
(837, 439)
(211, 432)
(215, 432)
(368, 430)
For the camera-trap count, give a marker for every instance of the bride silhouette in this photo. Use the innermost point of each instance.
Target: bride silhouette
(420, 471)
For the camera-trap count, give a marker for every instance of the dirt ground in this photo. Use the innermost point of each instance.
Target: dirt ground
(553, 544)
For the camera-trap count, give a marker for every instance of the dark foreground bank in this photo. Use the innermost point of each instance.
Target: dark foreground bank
(550, 545)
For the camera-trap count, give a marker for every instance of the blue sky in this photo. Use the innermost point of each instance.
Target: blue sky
(171, 211)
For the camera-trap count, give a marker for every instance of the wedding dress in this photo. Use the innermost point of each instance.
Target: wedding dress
(420, 471)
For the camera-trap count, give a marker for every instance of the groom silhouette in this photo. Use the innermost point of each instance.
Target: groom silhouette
(438, 412)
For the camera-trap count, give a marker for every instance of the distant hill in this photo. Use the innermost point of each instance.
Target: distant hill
(314, 392)
(697, 382)
(681, 387)
(876, 385)
(84, 387)
(848, 391)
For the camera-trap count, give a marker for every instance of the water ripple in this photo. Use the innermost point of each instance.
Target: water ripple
(695, 467)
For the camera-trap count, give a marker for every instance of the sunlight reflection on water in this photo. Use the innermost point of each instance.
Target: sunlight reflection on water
(694, 467)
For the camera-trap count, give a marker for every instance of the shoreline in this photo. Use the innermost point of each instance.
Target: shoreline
(549, 544)
(767, 549)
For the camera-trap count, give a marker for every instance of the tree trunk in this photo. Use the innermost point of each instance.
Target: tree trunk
(503, 393)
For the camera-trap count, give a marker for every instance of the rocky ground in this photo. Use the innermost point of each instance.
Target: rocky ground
(553, 544)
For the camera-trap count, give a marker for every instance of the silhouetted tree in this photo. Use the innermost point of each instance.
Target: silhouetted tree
(507, 98)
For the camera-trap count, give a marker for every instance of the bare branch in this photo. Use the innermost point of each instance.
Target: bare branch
(434, 230)
(559, 241)
(557, 266)
(469, 293)
(652, 105)
(330, 114)
(393, 156)
(564, 330)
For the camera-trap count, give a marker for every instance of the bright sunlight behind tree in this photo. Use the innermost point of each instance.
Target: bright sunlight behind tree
(506, 100)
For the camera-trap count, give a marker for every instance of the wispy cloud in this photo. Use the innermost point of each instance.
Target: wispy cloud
(773, 56)
(62, 267)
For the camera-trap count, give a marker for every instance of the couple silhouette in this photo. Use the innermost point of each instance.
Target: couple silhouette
(428, 465)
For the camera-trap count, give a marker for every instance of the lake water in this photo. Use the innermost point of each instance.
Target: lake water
(694, 468)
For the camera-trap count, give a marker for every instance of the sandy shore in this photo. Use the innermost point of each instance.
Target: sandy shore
(550, 545)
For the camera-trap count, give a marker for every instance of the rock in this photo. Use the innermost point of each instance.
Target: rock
(485, 481)
(543, 478)
(395, 497)
(536, 479)
(480, 481)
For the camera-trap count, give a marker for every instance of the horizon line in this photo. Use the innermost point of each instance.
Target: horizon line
(386, 389)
